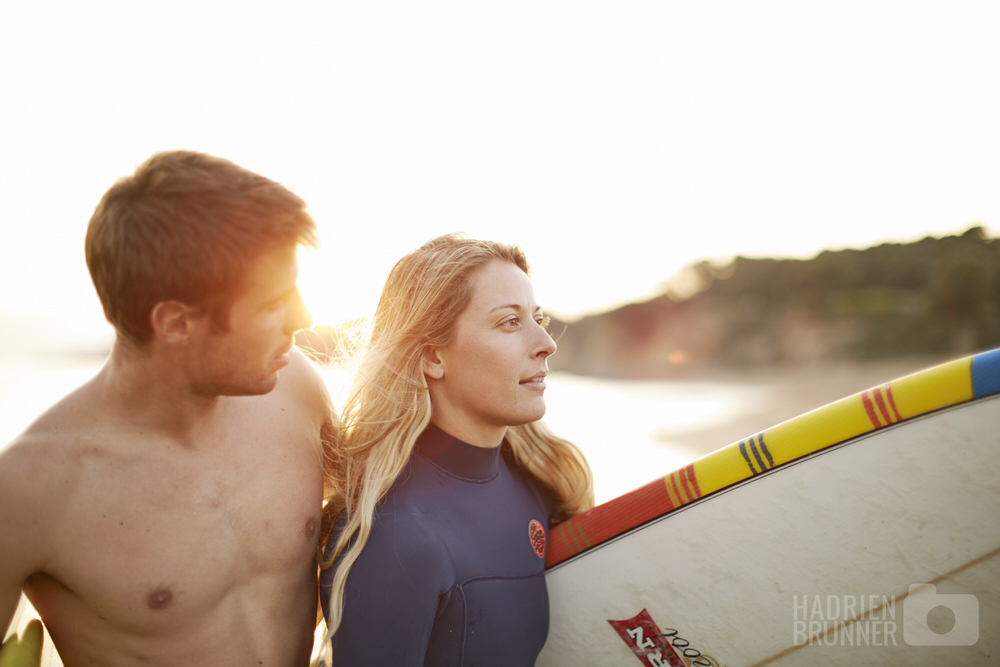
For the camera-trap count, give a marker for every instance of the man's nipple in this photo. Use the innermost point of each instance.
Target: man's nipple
(310, 528)
(160, 599)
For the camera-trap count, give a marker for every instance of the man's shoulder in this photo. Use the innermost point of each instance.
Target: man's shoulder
(37, 467)
(302, 381)
(51, 438)
(299, 405)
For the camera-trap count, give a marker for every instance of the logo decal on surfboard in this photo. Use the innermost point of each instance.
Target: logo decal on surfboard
(536, 533)
(656, 647)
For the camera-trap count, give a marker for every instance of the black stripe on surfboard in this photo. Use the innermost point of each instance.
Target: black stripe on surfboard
(756, 446)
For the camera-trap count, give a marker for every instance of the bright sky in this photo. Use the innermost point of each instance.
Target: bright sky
(616, 141)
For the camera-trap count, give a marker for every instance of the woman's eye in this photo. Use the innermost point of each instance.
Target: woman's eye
(512, 323)
(544, 322)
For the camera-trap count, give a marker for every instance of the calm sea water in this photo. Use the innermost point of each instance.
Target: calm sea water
(625, 429)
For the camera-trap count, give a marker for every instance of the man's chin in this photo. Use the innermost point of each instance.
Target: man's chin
(258, 388)
(263, 388)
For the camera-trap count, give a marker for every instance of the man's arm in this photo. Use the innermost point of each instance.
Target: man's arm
(24, 517)
(310, 390)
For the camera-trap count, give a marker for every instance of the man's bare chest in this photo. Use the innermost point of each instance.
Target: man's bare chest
(156, 541)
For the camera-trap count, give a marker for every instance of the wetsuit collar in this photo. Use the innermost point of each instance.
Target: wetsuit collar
(459, 458)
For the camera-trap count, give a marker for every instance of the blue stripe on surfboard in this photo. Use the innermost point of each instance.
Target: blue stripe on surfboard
(986, 373)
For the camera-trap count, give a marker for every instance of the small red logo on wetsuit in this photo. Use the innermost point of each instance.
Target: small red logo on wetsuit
(536, 533)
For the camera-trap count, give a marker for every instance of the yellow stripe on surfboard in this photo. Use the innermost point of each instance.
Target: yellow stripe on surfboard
(913, 395)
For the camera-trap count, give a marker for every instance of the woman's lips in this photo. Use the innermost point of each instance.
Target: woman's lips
(535, 381)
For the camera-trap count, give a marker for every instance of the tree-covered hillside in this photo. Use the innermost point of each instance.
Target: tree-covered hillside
(931, 297)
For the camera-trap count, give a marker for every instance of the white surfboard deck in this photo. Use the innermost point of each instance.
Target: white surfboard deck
(799, 546)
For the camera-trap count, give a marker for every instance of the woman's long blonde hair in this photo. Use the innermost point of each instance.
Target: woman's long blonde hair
(389, 405)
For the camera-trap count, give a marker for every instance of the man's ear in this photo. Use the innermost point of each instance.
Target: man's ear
(432, 363)
(172, 322)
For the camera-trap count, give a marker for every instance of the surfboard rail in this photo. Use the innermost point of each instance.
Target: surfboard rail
(905, 398)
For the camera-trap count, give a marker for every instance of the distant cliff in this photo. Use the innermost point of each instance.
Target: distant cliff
(931, 297)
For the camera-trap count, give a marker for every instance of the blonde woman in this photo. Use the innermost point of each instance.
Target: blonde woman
(448, 482)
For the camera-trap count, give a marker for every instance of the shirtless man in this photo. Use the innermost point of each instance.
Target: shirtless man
(167, 511)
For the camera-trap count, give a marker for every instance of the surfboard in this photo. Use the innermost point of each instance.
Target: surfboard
(865, 532)
(24, 615)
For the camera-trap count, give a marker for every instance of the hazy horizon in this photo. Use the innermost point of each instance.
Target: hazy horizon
(22, 331)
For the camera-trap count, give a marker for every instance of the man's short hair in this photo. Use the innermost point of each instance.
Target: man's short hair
(184, 227)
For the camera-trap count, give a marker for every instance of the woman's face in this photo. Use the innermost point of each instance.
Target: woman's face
(492, 375)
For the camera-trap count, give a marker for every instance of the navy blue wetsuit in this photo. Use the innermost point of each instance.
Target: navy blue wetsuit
(453, 572)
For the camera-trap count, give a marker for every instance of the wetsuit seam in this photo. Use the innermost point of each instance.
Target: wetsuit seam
(497, 577)
(471, 480)
(465, 625)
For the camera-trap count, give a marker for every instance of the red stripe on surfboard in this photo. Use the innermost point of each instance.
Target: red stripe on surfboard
(675, 497)
(693, 480)
(870, 409)
(880, 402)
(679, 494)
(608, 520)
(687, 490)
(892, 402)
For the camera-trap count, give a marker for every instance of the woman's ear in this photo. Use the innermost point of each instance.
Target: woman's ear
(432, 363)
(171, 322)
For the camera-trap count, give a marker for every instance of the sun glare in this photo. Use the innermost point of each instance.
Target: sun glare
(335, 291)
